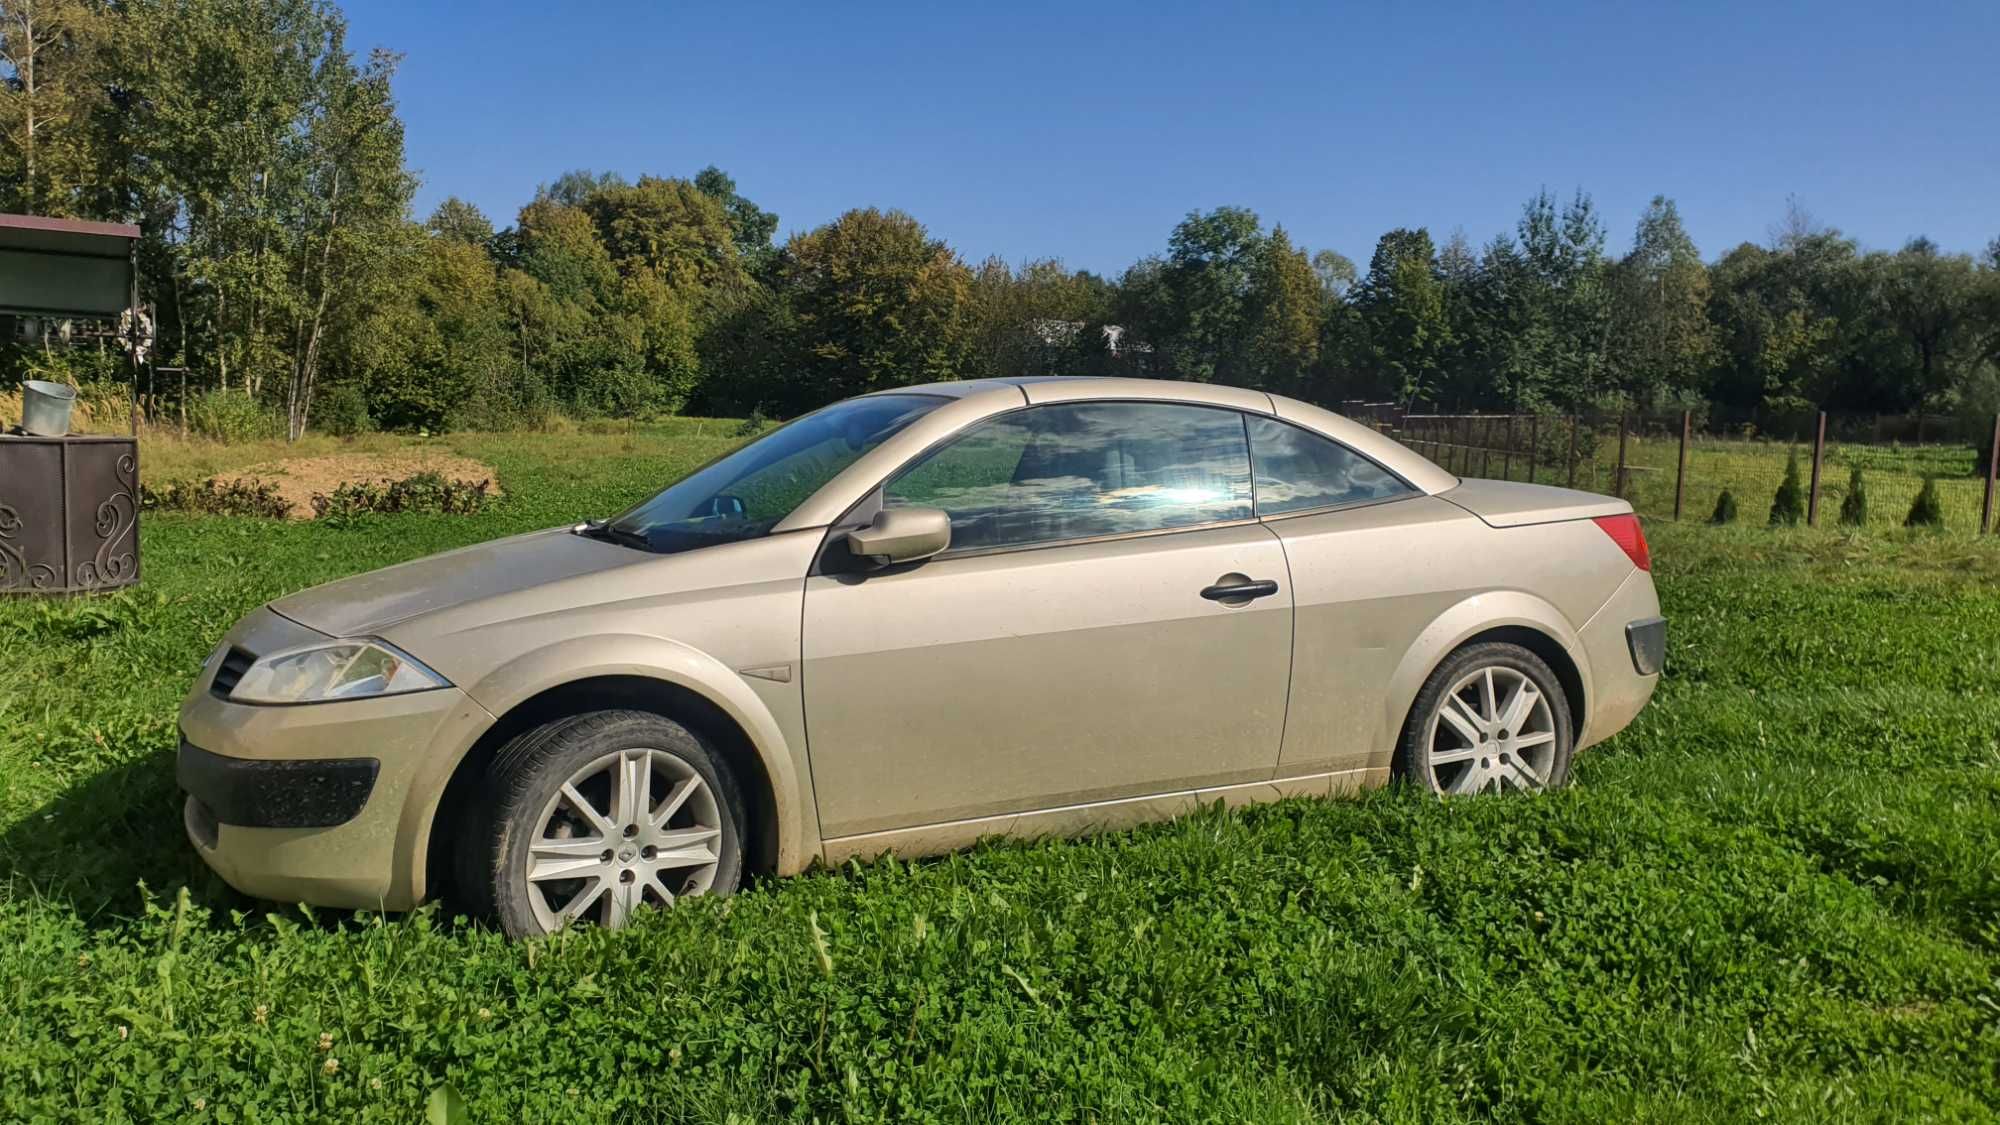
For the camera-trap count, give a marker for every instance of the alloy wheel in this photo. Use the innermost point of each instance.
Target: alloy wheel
(1493, 731)
(632, 828)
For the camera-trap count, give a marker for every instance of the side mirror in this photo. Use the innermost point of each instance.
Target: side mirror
(901, 535)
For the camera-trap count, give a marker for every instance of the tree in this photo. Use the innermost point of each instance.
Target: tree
(573, 187)
(1927, 296)
(1725, 509)
(1286, 308)
(876, 302)
(1925, 510)
(53, 88)
(1565, 302)
(350, 194)
(440, 346)
(1032, 321)
(1854, 505)
(1402, 313)
(750, 225)
(455, 220)
(668, 227)
(1788, 507)
(1201, 318)
(1663, 342)
(1335, 271)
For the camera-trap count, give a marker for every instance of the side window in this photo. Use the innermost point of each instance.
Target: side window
(1078, 470)
(1298, 469)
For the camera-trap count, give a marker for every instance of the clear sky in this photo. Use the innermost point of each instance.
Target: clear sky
(1085, 131)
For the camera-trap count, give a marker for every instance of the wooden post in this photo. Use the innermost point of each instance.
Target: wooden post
(1486, 449)
(1465, 445)
(1572, 451)
(1507, 458)
(1681, 474)
(1992, 471)
(1819, 458)
(1534, 443)
(1618, 482)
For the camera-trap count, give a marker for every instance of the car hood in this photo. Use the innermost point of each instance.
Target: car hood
(373, 602)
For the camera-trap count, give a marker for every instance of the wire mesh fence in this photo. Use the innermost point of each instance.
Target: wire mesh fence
(1681, 466)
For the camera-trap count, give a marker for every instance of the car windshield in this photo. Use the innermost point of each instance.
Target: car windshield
(745, 493)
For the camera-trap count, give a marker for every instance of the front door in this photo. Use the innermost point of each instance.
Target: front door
(1109, 622)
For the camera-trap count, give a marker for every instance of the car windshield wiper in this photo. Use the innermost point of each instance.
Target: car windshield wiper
(612, 533)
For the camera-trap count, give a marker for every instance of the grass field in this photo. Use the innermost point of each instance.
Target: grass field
(1750, 469)
(1776, 896)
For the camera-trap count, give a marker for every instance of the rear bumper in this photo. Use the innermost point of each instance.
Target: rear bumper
(1621, 639)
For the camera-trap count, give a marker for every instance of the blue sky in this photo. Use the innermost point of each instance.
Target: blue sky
(1085, 131)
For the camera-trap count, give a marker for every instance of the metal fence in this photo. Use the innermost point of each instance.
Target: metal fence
(1679, 466)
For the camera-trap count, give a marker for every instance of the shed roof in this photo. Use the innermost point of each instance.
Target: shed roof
(66, 236)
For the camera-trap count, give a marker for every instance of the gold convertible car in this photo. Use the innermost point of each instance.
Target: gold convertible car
(905, 622)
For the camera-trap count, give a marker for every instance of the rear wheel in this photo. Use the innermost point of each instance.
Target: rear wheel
(595, 817)
(1491, 719)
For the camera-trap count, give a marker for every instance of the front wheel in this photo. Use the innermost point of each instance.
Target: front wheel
(1491, 719)
(597, 816)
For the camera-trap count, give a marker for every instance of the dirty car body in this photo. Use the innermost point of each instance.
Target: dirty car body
(912, 620)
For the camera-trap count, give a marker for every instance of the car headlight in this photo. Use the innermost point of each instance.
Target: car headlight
(328, 670)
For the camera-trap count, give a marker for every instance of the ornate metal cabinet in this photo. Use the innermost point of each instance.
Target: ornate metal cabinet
(69, 514)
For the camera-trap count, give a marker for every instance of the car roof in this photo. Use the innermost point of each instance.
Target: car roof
(1034, 389)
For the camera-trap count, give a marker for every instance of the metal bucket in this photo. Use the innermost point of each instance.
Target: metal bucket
(46, 407)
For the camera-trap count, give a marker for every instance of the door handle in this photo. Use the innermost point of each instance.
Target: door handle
(1240, 591)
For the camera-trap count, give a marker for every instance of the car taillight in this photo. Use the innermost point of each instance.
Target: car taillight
(1631, 538)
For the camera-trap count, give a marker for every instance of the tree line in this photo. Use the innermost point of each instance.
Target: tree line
(264, 161)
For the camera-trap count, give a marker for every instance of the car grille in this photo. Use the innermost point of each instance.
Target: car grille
(234, 663)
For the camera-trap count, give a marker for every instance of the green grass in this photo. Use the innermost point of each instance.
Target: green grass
(1777, 895)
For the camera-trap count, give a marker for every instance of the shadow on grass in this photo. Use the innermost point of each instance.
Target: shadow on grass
(91, 848)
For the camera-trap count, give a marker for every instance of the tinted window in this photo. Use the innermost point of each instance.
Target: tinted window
(1077, 470)
(1298, 469)
(746, 493)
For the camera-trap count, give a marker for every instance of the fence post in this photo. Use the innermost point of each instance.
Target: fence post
(1486, 449)
(1819, 457)
(1681, 474)
(1992, 471)
(1618, 482)
(1534, 444)
(1507, 458)
(1572, 451)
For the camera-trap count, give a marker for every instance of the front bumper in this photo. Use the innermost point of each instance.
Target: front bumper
(279, 805)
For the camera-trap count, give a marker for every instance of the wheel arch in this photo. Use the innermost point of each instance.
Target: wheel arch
(1513, 617)
(552, 683)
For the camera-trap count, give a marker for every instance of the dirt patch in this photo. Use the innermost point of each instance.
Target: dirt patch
(298, 480)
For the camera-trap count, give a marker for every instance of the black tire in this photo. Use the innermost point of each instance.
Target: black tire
(524, 780)
(1415, 753)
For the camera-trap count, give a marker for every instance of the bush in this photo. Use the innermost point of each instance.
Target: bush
(1788, 507)
(225, 415)
(1854, 505)
(241, 497)
(753, 425)
(342, 411)
(1725, 508)
(424, 492)
(1926, 511)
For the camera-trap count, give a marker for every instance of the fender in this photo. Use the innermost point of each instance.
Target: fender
(635, 655)
(1478, 613)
